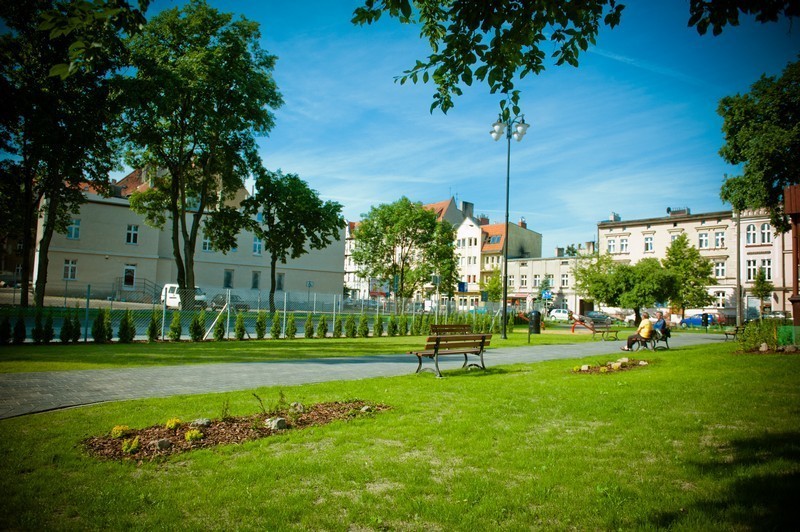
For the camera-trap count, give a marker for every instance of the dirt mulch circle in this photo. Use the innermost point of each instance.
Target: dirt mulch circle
(608, 368)
(223, 431)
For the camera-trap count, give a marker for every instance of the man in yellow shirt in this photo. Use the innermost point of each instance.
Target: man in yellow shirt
(644, 332)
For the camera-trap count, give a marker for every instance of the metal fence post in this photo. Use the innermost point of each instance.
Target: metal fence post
(284, 315)
(86, 314)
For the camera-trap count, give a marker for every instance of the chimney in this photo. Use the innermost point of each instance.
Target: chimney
(523, 223)
(559, 252)
(483, 220)
(467, 209)
(615, 217)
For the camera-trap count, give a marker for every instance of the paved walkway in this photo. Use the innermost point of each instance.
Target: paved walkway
(28, 393)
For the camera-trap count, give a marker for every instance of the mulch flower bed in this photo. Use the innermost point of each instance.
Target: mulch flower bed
(159, 441)
(623, 364)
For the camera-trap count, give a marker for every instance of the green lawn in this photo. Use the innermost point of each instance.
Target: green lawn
(57, 357)
(701, 439)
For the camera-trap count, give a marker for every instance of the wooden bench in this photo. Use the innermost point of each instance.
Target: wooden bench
(461, 328)
(605, 331)
(453, 344)
(652, 342)
(732, 334)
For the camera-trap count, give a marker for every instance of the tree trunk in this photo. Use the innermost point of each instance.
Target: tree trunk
(44, 248)
(273, 264)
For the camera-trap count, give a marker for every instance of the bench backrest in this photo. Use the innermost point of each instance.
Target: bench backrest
(458, 341)
(440, 330)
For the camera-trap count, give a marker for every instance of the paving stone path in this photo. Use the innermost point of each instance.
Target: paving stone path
(28, 393)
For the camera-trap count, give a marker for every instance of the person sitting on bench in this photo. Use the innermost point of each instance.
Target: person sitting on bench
(661, 326)
(644, 332)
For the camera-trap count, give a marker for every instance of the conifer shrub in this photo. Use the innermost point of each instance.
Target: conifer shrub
(77, 326)
(337, 327)
(127, 328)
(291, 327)
(20, 332)
(5, 330)
(350, 326)
(308, 329)
(37, 332)
(261, 325)
(65, 334)
(275, 329)
(175, 327)
(363, 326)
(197, 327)
(49, 332)
(425, 327)
(238, 328)
(510, 324)
(109, 332)
(402, 325)
(377, 326)
(219, 329)
(99, 327)
(322, 327)
(152, 328)
(391, 327)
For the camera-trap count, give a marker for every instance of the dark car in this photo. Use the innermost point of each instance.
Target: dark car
(697, 321)
(237, 303)
(599, 317)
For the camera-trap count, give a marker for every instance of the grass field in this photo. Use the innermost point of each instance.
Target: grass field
(703, 438)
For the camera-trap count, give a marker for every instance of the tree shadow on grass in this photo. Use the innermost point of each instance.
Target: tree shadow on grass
(762, 478)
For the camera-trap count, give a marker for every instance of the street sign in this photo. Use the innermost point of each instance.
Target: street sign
(546, 294)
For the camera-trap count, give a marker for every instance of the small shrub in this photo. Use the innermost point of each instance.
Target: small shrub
(402, 325)
(65, 334)
(152, 329)
(757, 333)
(5, 330)
(416, 325)
(350, 326)
(175, 327)
(49, 332)
(377, 326)
(363, 326)
(127, 329)
(261, 325)
(308, 329)
(238, 328)
(193, 435)
(219, 329)
(510, 324)
(131, 446)
(99, 327)
(322, 327)
(291, 327)
(37, 332)
(425, 328)
(391, 327)
(109, 332)
(77, 327)
(172, 423)
(197, 327)
(275, 329)
(337, 327)
(120, 431)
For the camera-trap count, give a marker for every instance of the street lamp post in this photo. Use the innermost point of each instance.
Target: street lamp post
(516, 128)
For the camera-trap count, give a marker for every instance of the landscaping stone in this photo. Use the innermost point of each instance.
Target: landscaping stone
(764, 348)
(161, 444)
(201, 422)
(297, 408)
(276, 423)
(616, 365)
(624, 360)
(366, 408)
(585, 367)
(642, 362)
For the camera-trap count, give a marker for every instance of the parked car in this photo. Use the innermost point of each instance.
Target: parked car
(697, 320)
(237, 303)
(599, 317)
(171, 297)
(630, 319)
(777, 315)
(560, 314)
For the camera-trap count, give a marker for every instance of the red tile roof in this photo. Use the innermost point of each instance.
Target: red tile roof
(439, 208)
(488, 232)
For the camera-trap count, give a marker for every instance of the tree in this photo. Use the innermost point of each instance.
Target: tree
(402, 243)
(493, 285)
(55, 135)
(762, 288)
(496, 42)
(692, 274)
(761, 134)
(202, 90)
(287, 215)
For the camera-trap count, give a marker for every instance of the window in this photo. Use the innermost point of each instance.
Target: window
(751, 270)
(623, 245)
(550, 279)
(612, 246)
(766, 265)
(766, 233)
(70, 269)
(74, 230)
(129, 276)
(227, 279)
(719, 299)
(20, 245)
(255, 281)
(751, 234)
(257, 245)
(564, 280)
(206, 244)
(523, 281)
(719, 239)
(702, 240)
(495, 239)
(536, 280)
(511, 281)
(719, 269)
(279, 281)
(132, 234)
(648, 244)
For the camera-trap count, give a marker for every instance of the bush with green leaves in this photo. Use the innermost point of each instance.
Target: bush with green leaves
(99, 327)
(37, 332)
(757, 333)
(219, 329)
(193, 435)
(291, 327)
(377, 326)
(107, 328)
(391, 327)
(238, 328)
(308, 329)
(5, 330)
(363, 326)
(197, 327)
(402, 325)
(275, 329)
(322, 327)
(152, 328)
(120, 431)
(131, 446)
(65, 334)
(510, 324)
(175, 327)
(416, 325)
(337, 327)
(127, 328)
(49, 331)
(77, 327)
(350, 326)
(425, 327)
(261, 325)
(20, 332)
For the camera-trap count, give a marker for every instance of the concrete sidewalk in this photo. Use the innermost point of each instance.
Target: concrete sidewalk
(28, 393)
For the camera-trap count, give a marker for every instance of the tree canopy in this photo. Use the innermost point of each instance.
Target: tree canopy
(692, 273)
(762, 133)
(202, 90)
(500, 42)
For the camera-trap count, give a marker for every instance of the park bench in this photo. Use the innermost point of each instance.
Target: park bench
(652, 342)
(461, 328)
(605, 332)
(732, 333)
(453, 344)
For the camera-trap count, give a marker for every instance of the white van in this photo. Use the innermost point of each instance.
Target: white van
(170, 296)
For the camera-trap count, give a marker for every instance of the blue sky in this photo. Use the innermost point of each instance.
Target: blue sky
(632, 130)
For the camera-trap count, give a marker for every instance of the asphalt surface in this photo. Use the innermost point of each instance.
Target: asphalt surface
(29, 393)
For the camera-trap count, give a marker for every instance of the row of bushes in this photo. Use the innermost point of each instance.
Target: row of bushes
(349, 327)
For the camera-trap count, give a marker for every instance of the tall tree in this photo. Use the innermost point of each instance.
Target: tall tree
(55, 134)
(762, 134)
(493, 285)
(762, 289)
(398, 243)
(202, 90)
(498, 42)
(692, 272)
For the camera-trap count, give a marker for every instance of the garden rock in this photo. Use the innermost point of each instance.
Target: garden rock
(201, 422)
(365, 409)
(276, 423)
(161, 444)
(297, 408)
(764, 348)
(585, 367)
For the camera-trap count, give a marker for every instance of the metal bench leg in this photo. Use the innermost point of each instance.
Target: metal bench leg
(436, 363)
